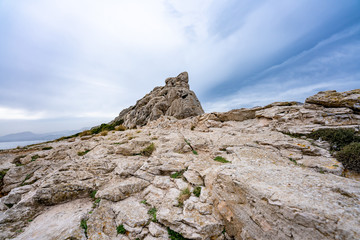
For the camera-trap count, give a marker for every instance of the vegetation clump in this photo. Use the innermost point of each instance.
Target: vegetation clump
(346, 144)
(106, 127)
(83, 153)
(33, 158)
(152, 212)
(197, 191)
(221, 159)
(3, 173)
(350, 156)
(148, 150)
(184, 195)
(120, 229)
(83, 225)
(192, 149)
(178, 174)
(46, 148)
(337, 137)
(175, 235)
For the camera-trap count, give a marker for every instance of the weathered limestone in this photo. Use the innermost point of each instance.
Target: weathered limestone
(174, 99)
(349, 99)
(273, 186)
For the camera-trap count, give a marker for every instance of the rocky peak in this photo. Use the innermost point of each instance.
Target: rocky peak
(182, 80)
(174, 99)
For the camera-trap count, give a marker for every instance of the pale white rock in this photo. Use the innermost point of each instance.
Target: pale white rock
(156, 230)
(58, 222)
(131, 212)
(193, 177)
(116, 191)
(163, 182)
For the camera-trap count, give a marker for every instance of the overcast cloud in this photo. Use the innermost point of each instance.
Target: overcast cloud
(71, 64)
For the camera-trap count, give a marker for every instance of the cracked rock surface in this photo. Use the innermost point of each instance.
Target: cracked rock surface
(257, 193)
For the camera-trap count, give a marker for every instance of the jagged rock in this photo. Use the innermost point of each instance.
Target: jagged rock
(349, 99)
(174, 99)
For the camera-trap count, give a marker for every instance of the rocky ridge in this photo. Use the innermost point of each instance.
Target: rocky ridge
(174, 99)
(232, 175)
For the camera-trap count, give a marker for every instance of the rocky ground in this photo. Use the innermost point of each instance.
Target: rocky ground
(233, 175)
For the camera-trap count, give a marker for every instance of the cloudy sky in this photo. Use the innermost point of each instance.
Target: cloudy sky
(68, 64)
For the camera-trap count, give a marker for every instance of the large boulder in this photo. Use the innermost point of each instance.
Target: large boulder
(349, 99)
(174, 99)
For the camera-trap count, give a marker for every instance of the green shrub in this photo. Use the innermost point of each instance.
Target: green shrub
(197, 191)
(46, 148)
(350, 156)
(175, 235)
(148, 150)
(152, 212)
(221, 159)
(120, 229)
(106, 127)
(338, 138)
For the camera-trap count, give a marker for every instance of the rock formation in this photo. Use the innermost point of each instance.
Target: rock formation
(174, 99)
(233, 175)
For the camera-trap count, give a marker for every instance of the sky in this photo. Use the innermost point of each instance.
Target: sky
(70, 64)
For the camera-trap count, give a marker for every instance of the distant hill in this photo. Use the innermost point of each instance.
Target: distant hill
(30, 136)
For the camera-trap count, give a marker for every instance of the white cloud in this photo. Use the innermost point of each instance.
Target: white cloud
(19, 114)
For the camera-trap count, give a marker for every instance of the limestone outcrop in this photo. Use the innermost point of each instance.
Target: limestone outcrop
(234, 175)
(174, 99)
(349, 99)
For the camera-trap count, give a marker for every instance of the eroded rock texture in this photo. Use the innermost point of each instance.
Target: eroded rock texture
(267, 185)
(174, 99)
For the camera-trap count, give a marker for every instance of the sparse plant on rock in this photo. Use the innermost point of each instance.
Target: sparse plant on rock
(221, 159)
(184, 195)
(120, 128)
(178, 174)
(120, 229)
(83, 153)
(197, 191)
(33, 158)
(104, 133)
(152, 212)
(83, 225)
(175, 235)
(46, 148)
(148, 150)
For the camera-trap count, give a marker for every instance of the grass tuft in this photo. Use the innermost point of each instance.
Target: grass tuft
(221, 159)
(183, 196)
(152, 212)
(148, 150)
(83, 225)
(83, 153)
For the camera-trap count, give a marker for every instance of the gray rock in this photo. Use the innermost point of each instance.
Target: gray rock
(174, 99)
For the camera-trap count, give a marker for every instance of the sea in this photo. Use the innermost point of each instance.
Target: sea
(9, 145)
